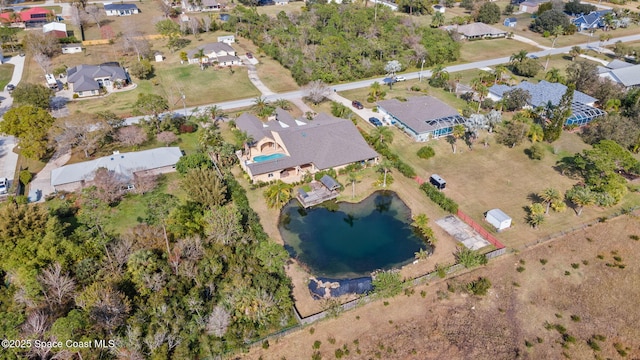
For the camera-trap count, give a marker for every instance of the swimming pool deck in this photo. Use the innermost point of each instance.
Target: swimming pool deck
(317, 195)
(462, 232)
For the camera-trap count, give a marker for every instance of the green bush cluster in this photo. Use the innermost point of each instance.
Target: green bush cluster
(426, 152)
(439, 198)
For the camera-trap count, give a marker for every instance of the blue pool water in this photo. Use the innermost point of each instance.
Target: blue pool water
(261, 158)
(351, 240)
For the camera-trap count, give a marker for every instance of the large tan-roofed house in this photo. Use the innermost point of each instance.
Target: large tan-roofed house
(126, 165)
(286, 149)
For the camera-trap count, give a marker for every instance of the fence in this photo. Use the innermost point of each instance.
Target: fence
(482, 231)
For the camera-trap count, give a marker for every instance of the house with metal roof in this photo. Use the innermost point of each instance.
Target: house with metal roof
(285, 148)
(623, 73)
(422, 117)
(531, 6)
(124, 9)
(127, 166)
(89, 80)
(545, 93)
(476, 31)
(29, 17)
(218, 52)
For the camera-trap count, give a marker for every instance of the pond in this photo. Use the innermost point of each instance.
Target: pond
(347, 240)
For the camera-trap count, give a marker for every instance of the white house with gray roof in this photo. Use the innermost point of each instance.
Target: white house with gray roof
(475, 31)
(622, 72)
(88, 80)
(422, 117)
(545, 93)
(121, 9)
(126, 165)
(219, 52)
(285, 148)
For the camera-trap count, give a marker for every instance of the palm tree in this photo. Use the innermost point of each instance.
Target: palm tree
(278, 194)
(457, 133)
(581, 196)
(437, 20)
(215, 113)
(384, 167)
(353, 178)
(282, 104)
(421, 222)
(575, 52)
(549, 195)
(381, 135)
(519, 56)
(499, 71)
(554, 76)
(375, 91)
(535, 220)
(260, 103)
(421, 254)
(481, 89)
(559, 205)
(246, 140)
(200, 55)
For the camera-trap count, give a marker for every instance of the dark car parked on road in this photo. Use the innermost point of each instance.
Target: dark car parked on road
(357, 104)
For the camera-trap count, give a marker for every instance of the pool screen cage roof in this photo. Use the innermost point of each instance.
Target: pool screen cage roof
(582, 113)
(447, 121)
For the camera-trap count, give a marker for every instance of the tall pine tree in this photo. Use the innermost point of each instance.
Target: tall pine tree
(559, 115)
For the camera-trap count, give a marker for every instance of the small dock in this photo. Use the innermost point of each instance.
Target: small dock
(324, 190)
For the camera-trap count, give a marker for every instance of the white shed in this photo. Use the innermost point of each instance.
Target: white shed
(498, 219)
(159, 57)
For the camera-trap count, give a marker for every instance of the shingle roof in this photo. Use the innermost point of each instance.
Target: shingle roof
(418, 111)
(211, 47)
(85, 75)
(478, 29)
(325, 141)
(124, 164)
(120, 6)
(543, 92)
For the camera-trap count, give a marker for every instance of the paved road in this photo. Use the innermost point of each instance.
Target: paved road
(9, 159)
(412, 75)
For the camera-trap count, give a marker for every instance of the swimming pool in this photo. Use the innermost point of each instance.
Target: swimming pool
(261, 158)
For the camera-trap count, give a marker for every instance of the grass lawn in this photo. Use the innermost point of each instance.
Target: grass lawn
(272, 11)
(200, 87)
(144, 22)
(492, 48)
(499, 177)
(6, 71)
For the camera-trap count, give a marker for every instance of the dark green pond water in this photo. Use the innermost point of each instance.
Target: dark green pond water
(352, 240)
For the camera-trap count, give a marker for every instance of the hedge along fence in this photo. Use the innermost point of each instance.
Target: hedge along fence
(439, 198)
(404, 168)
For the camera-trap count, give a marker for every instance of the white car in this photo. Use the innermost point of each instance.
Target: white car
(4, 185)
(400, 78)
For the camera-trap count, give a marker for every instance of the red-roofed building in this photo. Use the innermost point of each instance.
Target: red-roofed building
(31, 17)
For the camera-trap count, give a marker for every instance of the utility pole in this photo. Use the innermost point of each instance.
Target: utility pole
(421, 70)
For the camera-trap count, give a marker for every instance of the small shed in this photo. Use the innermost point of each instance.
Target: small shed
(498, 219)
(329, 182)
(438, 181)
(510, 22)
(159, 57)
(71, 48)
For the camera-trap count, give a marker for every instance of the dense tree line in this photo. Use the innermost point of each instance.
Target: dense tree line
(192, 278)
(332, 42)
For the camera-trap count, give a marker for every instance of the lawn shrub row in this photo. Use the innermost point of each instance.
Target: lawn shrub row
(438, 197)
(382, 149)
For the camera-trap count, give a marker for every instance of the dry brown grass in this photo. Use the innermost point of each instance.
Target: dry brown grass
(444, 325)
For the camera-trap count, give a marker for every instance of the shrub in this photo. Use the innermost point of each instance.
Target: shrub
(265, 344)
(520, 269)
(543, 261)
(387, 284)
(316, 344)
(469, 258)
(331, 340)
(142, 69)
(535, 152)
(25, 177)
(426, 152)
(479, 286)
(439, 198)
(575, 318)
(575, 265)
(187, 128)
(193, 161)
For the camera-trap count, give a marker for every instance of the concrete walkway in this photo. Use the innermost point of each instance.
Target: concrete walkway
(255, 80)
(40, 186)
(529, 41)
